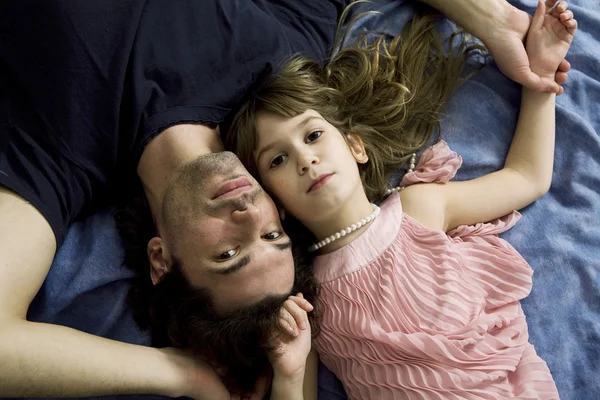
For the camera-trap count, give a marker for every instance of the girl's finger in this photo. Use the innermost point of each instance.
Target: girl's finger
(302, 302)
(298, 313)
(566, 16)
(571, 26)
(560, 8)
(550, 4)
(287, 322)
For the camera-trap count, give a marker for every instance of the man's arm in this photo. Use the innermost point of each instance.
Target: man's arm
(47, 360)
(502, 28)
(477, 17)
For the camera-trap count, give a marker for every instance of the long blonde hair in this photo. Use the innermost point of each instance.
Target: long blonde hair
(390, 94)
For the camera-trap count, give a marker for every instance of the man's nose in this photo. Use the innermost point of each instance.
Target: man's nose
(305, 161)
(246, 212)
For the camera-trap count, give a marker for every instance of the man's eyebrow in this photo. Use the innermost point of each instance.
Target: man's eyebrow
(300, 125)
(242, 262)
(234, 267)
(283, 246)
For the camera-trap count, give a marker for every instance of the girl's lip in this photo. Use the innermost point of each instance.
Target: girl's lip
(233, 187)
(319, 182)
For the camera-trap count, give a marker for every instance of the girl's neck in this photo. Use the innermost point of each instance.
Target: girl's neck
(350, 213)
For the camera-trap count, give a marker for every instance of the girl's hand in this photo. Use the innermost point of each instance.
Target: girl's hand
(289, 358)
(549, 39)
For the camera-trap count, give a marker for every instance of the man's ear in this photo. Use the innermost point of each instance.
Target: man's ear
(159, 260)
(357, 148)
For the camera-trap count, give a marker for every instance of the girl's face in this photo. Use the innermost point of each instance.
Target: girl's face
(307, 165)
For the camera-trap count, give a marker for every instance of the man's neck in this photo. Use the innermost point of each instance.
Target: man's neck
(169, 150)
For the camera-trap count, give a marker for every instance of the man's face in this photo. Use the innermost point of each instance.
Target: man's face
(225, 231)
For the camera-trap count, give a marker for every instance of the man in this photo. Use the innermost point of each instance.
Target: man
(90, 91)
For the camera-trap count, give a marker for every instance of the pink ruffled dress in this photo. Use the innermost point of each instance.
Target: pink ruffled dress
(412, 313)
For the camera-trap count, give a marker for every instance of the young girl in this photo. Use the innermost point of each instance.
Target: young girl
(420, 298)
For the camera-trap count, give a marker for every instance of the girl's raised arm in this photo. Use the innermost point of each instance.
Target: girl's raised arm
(527, 172)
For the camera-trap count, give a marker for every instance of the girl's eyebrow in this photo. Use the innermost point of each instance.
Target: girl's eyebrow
(265, 149)
(300, 125)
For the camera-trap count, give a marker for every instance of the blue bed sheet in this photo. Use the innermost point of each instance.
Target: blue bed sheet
(559, 234)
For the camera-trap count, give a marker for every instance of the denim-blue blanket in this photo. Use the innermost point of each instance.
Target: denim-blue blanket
(559, 234)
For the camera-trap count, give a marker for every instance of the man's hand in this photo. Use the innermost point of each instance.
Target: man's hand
(505, 44)
(549, 39)
(197, 378)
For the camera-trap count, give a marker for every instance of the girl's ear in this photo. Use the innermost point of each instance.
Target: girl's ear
(357, 148)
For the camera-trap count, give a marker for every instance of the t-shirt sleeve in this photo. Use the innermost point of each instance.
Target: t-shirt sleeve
(62, 70)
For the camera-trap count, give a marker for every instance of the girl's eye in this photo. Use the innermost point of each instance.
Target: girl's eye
(313, 136)
(272, 235)
(227, 255)
(277, 161)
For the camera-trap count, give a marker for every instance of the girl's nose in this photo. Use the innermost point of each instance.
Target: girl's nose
(305, 161)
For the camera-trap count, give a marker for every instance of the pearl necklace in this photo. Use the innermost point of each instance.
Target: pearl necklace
(345, 231)
(362, 222)
(413, 157)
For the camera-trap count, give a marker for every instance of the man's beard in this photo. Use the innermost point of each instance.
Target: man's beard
(212, 164)
(195, 175)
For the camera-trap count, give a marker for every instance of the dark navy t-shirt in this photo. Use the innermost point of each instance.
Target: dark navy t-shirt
(85, 85)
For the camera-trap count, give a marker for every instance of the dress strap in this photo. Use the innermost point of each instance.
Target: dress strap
(437, 164)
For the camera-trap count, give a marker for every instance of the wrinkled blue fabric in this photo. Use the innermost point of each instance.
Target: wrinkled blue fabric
(559, 235)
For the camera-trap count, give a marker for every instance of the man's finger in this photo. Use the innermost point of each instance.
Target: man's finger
(532, 81)
(564, 66)
(561, 77)
(549, 85)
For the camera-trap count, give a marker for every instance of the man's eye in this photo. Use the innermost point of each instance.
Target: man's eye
(313, 136)
(277, 161)
(272, 236)
(227, 255)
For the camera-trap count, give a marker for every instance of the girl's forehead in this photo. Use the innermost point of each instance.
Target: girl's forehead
(269, 120)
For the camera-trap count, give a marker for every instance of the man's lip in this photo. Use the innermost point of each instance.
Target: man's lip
(319, 182)
(233, 187)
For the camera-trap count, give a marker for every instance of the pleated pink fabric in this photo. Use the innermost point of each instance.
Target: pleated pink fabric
(411, 313)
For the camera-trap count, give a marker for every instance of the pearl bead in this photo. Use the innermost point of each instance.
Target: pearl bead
(338, 235)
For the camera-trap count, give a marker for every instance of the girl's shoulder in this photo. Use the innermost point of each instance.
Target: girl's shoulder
(420, 197)
(423, 203)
